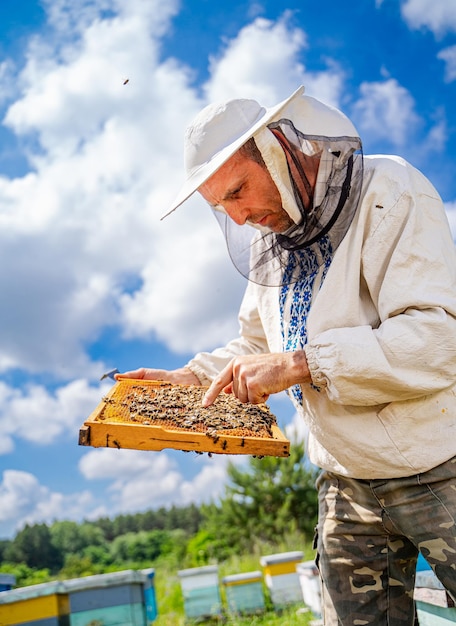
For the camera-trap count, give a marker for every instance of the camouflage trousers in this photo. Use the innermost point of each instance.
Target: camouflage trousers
(368, 537)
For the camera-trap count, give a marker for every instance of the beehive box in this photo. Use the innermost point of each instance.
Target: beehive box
(244, 593)
(281, 577)
(110, 599)
(153, 415)
(200, 589)
(434, 606)
(34, 606)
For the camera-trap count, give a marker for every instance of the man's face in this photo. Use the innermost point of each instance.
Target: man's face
(247, 193)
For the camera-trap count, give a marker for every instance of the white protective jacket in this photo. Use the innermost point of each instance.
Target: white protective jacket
(381, 334)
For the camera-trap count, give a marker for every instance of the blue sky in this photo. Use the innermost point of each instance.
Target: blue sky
(92, 279)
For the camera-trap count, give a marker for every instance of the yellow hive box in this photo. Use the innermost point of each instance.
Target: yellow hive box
(281, 577)
(30, 610)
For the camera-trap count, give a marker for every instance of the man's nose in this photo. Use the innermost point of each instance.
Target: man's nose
(238, 213)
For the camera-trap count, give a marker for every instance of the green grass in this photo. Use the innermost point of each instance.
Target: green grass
(295, 616)
(171, 606)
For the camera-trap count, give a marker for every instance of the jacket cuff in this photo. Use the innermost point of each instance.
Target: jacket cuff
(319, 380)
(199, 373)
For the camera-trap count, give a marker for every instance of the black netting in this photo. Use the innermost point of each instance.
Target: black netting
(320, 211)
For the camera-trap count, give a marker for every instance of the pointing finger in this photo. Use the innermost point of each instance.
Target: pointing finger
(224, 379)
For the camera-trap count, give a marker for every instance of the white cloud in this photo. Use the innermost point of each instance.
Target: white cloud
(385, 111)
(190, 291)
(202, 289)
(439, 16)
(54, 506)
(70, 19)
(136, 481)
(42, 416)
(24, 500)
(438, 134)
(18, 492)
(262, 62)
(141, 480)
(105, 162)
(105, 158)
(448, 55)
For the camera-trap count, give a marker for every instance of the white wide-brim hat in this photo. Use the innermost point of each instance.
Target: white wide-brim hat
(216, 133)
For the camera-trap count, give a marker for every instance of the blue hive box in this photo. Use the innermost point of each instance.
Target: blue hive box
(244, 593)
(200, 588)
(433, 605)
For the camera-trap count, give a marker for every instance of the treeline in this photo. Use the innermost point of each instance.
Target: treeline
(68, 549)
(270, 499)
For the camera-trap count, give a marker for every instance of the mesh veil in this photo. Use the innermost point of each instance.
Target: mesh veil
(323, 211)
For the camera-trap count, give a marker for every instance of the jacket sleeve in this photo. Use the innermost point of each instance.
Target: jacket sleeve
(408, 263)
(251, 340)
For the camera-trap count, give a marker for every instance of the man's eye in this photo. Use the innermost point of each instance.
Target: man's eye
(236, 191)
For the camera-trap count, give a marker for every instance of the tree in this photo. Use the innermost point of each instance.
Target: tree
(77, 566)
(105, 524)
(70, 537)
(145, 546)
(25, 575)
(33, 546)
(273, 498)
(187, 518)
(4, 543)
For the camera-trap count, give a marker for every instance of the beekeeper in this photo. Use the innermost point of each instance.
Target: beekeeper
(350, 306)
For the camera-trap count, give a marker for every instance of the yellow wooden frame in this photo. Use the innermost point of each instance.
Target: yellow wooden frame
(105, 433)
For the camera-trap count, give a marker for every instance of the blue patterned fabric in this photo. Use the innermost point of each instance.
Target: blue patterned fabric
(296, 297)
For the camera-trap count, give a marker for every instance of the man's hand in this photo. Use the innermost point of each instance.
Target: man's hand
(253, 378)
(181, 376)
